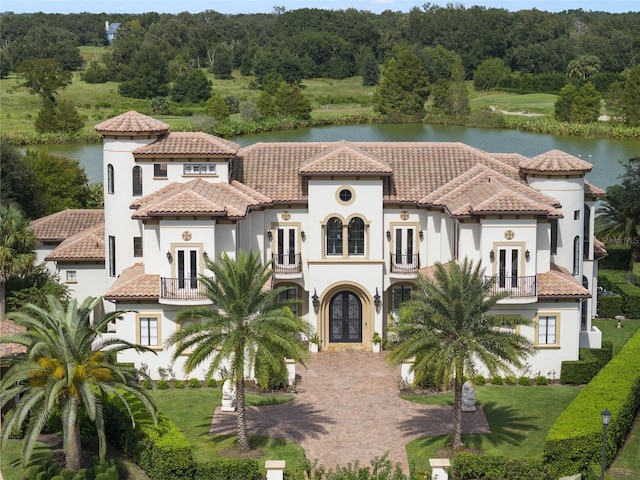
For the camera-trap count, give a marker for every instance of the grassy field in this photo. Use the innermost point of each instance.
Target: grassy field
(533, 103)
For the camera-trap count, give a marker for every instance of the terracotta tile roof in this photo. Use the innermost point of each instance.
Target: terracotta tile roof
(198, 197)
(345, 158)
(556, 162)
(591, 191)
(418, 167)
(482, 191)
(430, 271)
(9, 327)
(133, 283)
(87, 245)
(599, 249)
(187, 144)
(61, 225)
(132, 123)
(559, 283)
(511, 159)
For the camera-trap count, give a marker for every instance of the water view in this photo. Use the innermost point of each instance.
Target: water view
(606, 155)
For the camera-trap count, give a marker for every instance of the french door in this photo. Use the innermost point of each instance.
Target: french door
(508, 267)
(287, 247)
(405, 257)
(187, 265)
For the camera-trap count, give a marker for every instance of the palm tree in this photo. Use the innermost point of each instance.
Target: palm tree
(446, 327)
(619, 215)
(66, 366)
(245, 327)
(16, 247)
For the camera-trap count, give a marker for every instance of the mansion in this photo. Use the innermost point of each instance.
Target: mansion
(349, 227)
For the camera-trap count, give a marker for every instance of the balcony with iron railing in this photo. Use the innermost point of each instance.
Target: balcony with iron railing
(515, 287)
(286, 263)
(182, 289)
(405, 263)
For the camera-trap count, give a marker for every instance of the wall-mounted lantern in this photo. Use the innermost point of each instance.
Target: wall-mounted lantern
(269, 234)
(388, 235)
(492, 255)
(376, 299)
(169, 257)
(315, 300)
(527, 255)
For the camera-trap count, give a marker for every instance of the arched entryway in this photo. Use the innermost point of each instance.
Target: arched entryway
(345, 318)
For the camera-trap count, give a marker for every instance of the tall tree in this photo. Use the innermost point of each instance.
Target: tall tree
(584, 66)
(490, 73)
(19, 183)
(66, 364)
(631, 98)
(447, 327)
(245, 326)
(403, 87)
(564, 103)
(17, 243)
(370, 70)
(289, 100)
(586, 104)
(191, 86)
(44, 77)
(619, 215)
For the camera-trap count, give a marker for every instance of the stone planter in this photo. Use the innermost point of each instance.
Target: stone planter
(313, 347)
(377, 347)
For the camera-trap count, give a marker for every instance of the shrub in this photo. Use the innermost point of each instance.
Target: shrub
(479, 380)
(609, 306)
(161, 451)
(212, 382)
(470, 466)
(228, 469)
(178, 384)
(162, 384)
(524, 381)
(102, 476)
(575, 439)
(194, 383)
(579, 372)
(33, 471)
(496, 380)
(510, 380)
(67, 474)
(43, 476)
(541, 380)
(147, 384)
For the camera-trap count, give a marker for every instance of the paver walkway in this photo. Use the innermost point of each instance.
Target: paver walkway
(348, 409)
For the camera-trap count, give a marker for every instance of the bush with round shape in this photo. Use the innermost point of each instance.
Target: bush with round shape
(524, 381)
(542, 380)
(496, 380)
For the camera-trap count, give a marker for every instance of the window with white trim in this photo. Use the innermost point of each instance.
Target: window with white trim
(148, 332)
(576, 255)
(72, 276)
(112, 255)
(399, 295)
(334, 236)
(160, 170)
(290, 294)
(137, 246)
(136, 181)
(356, 236)
(110, 179)
(199, 169)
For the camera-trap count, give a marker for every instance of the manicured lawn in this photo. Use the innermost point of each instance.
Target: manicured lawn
(618, 336)
(191, 410)
(542, 103)
(519, 417)
(627, 464)
(10, 459)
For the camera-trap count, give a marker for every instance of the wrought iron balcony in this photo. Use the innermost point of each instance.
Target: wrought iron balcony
(516, 287)
(284, 263)
(405, 263)
(182, 289)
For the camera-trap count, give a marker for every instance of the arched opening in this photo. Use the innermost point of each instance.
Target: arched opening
(345, 318)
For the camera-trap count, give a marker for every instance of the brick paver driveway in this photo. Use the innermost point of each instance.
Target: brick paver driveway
(348, 409)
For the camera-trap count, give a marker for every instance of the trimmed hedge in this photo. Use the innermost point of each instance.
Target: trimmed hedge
(618, 258)
(575, 439)
(228, 469)
(618, 282)
(609, 306)
(580, 372)
(470, 466)
(161, 451)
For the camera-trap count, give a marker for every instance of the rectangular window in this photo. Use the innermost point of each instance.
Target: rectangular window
(289, 294)
(112, 256)
(199, 169)
(72, 276)
(148, 331)
(547, 330)
(554, 236)
(576, 214)
(400, 294)
(137, 246)
(160, 170)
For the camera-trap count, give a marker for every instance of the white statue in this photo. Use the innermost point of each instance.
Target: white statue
(468, 397)
(228, 397)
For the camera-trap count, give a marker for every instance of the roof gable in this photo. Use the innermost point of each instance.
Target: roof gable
(132, 123)
(556, 162)
(87, 245)
(61, 225)
(344, 158)
(187, 144)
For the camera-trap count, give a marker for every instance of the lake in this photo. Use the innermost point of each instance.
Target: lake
(606, 155)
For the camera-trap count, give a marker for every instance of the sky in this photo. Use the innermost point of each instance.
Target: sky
(266, 6)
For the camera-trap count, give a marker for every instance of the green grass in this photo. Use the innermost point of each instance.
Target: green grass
(195, 421)
(627, 464)
(10, 459)
(618, 336)
(539, 103)
(519, 417)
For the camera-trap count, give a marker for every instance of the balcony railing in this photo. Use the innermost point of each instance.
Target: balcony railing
(182, 289)
(405, 263)
(516, 287)
(287, 263)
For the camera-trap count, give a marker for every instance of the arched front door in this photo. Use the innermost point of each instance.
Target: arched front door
(345, 318)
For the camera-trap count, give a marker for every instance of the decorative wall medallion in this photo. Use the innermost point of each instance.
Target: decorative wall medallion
(286, 215)
(404, 215)
(186, 235)
(508, 234)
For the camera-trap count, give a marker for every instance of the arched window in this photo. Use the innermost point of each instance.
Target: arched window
(334, 236)
(356, 236)
(110, 184)
(576, 255)
(137, 181)
(584, 310)
(586, 237)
